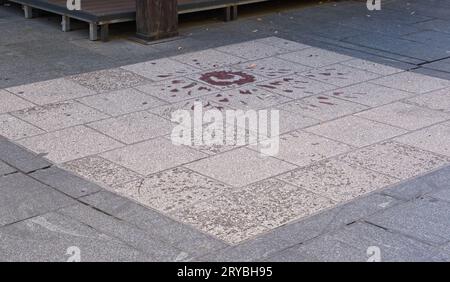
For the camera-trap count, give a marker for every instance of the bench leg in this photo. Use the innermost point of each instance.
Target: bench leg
(104, 32)
(28, 12)
(93, 31)
(231, 13)
(65, 23)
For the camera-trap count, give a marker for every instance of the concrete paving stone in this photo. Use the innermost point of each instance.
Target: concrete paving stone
(295, 87)
(434, 139)
(69, 144)
(121, 102)
(378, 65)
(208, 59)
(273, 67)
(340, 75)
(172, 189)
(434, 38)
(314, 148)
(322, 107)
(236, 216)
(425, 219)
(161, 69)
(315, 57)
(166, 111)
(237, 167)
(20, 158)
(396, 159)
(434, 73)
(176, 90)
(248, 98)
(227, 78)
(356, 131)
(153, 156)
(24, 197)
(266, 245)
(48, 238)
(437, 100)
(60, 115)
(369, 94)
(65, 182)
(292, 121)
(133, 128)
(337, 180)
(125, 232)
(108, 80)
(440, 178)
(405, 116)
(434, 24)
(6, 169)
(159, 226)
(413, 82)
(443, 195)
(252, 50)
(283, 43)
(335, 31)
(389, 27)
(10, 102)
(14, 128)
(442, 66)
(51, 91)
(353, 242)
(443, 254)
(101, 171)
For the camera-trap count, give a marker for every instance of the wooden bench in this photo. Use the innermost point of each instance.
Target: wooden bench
(99, 14)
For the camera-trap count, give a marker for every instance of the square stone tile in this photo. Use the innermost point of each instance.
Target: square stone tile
(14, 128)
(161, 69)
(405, 115)
(236, 216)
(121, 102)
(337, 180)
(283, 43)
(69, 144)
(167, 110)
(356, 131)
(369, 94)
(295, 87)
(108, 80)
(315, 57)
(153, 156)
(240, 167)
(226, 78)
(340, 75)
(208, 59)
(248, 98)
(273, 67)
(61, 115)
(435, 139)
(292, 121)
(395, 159)
(413, 82)
(172, 189)
(51, 91)
(437, 100)
(303, 148)
(176, 90)
(372, 67)
(10, 102)
(133, 128)
(322, 107)
(252, 50)
(101, 171)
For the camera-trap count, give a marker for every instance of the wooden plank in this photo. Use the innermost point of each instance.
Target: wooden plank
(156, 19)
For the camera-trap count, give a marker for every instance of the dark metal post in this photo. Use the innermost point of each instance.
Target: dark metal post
(156, 19)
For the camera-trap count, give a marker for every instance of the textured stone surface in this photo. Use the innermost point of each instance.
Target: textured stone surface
(14, 128)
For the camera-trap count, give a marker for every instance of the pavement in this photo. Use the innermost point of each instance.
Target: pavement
(362, 173)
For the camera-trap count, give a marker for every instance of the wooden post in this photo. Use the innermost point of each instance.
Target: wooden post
(156, 19)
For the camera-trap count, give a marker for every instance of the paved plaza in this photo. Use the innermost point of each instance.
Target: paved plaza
(87, 158)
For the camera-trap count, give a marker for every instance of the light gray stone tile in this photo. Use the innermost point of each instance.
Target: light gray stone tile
(356, 131)
(405, 115)
(208, 59)
(340, 75)
(372, 67)
(166, 111)
(240, 167)
(51, 91)
(315, 57)
(413, 82)
(70, 144)
(337, 180)
(161, 69)
(14, 128)
(122, 102)
(61, 115)
(283, 43)
(396, 159)
(273, 67)
(437, 100)
(226, 78)
(10, 102)
(295, 87)
(153, 156)
(252, 50)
